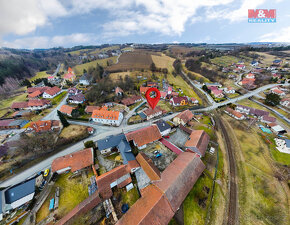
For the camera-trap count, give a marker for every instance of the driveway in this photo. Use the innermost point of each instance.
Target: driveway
(53, 114)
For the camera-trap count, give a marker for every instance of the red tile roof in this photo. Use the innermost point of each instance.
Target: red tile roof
(33, 89)
(199, 140)
(145, 135)
(38, 102)
(178, 100)
(160, 201)
(91, 108)
(163, 94)
(277, 91)
(234, 112)
(19, 105)
(69, 76)
(150, 111)
(272, 124)
(148, 166)
(248, 81)
(52, 91)
(76, 161)
(131, 100)
(105, 114)
(103, 181)
(39, 126)
(85, 206)
(35, 94)
(217, 92)
(185, 116)
(144, 89)
(70, 70)
(179, 177)
(152, 208)
(66, 109)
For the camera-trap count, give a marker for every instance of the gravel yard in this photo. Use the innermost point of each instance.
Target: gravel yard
(167, 155)
(178, 138)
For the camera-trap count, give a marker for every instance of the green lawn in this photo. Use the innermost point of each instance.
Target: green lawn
(113, 156)
(194, 213)
(130, 197)
(280, 157)
(135, 105)
(57, 99)
(165, 105)
(72, 192)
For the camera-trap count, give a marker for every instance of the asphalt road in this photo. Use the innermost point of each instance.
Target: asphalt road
(99, 134)
(104, 131)
(53, 114)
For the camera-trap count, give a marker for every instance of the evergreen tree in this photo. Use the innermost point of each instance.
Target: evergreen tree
(153, 67)
(62, 119)
(272, 99)
(26, 83)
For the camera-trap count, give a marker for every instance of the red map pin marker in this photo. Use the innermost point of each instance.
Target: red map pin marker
(152, 101)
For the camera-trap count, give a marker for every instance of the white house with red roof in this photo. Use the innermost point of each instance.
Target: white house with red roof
(104, 116)
(250, 75)
(217, 93)
(241, 66)
(229, 90)
(277, 91)
(52, 92)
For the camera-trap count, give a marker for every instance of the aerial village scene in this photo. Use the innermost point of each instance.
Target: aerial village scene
(81, 146)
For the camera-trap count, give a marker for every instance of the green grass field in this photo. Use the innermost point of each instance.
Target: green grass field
(225, 60)
(102, 62)
(193, 212)
(262, 198)
(38, 75)
(105, 49)
(6, 103)
(178, 82)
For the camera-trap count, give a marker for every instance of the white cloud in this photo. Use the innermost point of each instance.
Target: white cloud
(49, 42)
(282, 35)
(235, 15)
(166, 17)
(24, 16)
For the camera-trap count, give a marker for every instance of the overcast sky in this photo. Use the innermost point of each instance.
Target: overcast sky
(53, 23)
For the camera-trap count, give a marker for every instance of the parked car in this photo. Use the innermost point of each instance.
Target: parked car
(158, 155)
(46, 172)
(156, 152)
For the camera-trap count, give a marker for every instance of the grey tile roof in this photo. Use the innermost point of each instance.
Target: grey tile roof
(121, 143)
(19, 191)
(110, 141)
(162, 125)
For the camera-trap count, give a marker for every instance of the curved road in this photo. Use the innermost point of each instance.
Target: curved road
(112, 130)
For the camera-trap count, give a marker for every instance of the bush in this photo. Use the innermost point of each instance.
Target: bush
(89, 144)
